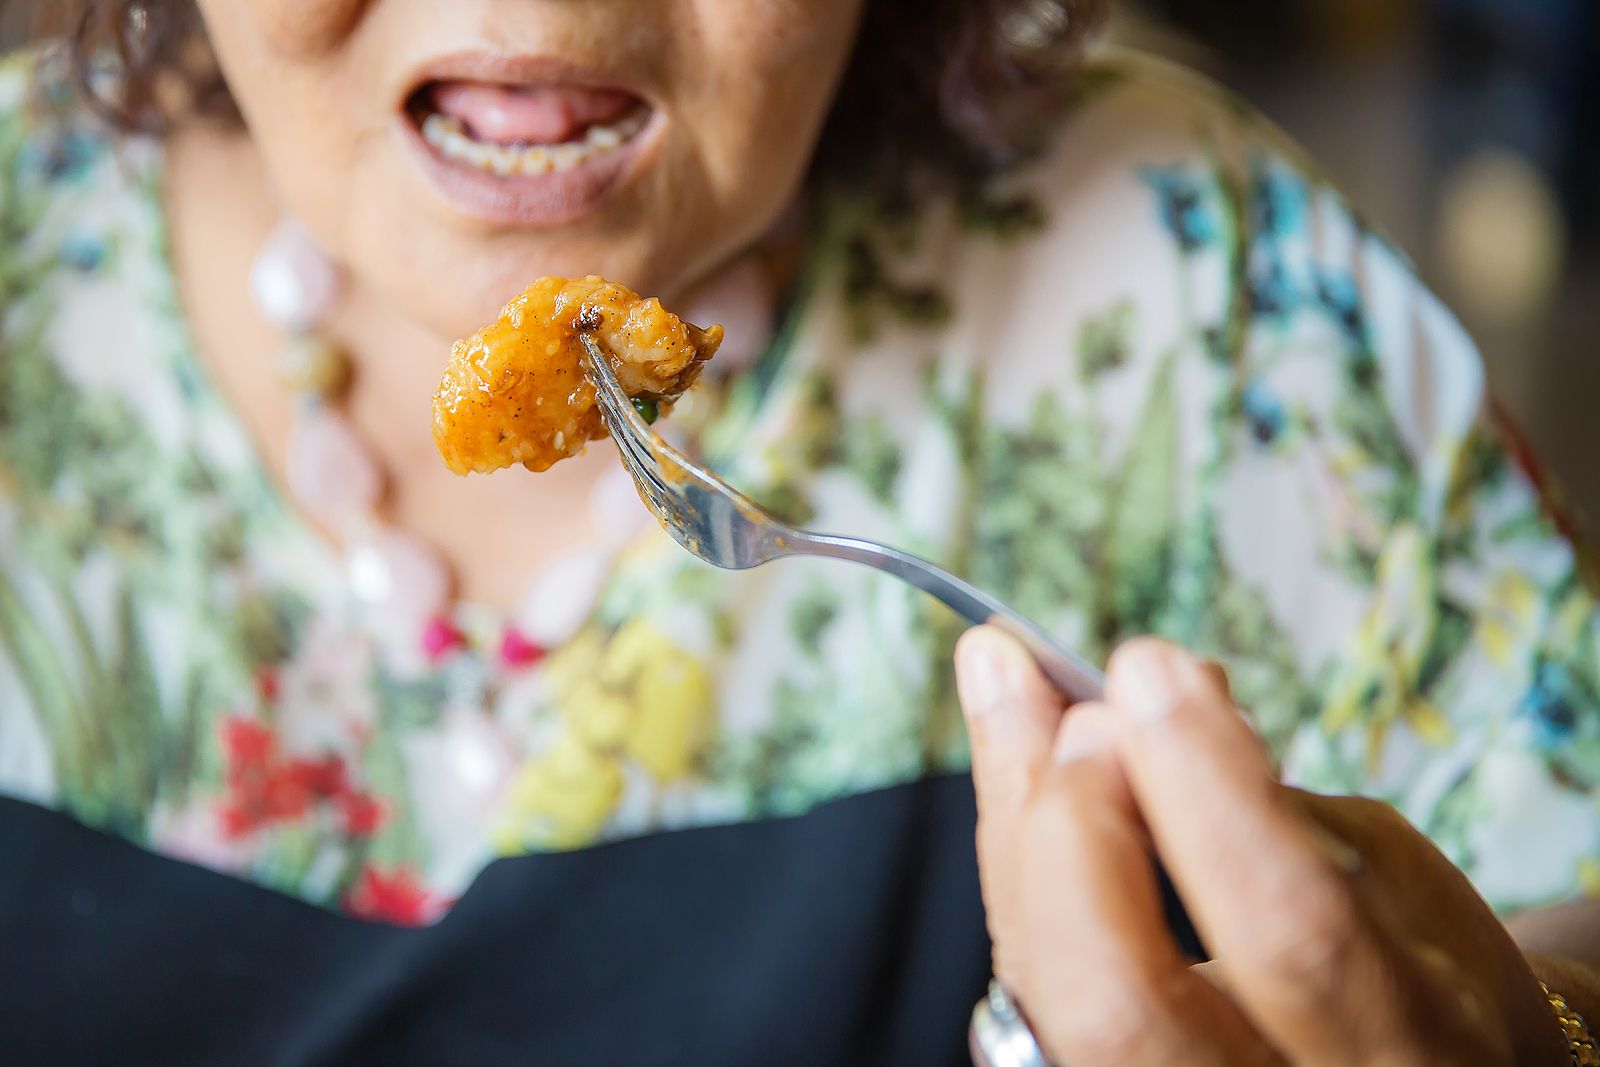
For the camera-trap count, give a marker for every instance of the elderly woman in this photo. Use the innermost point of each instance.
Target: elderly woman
(315, 753)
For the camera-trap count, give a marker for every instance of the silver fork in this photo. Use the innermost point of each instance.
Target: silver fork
(720, 525)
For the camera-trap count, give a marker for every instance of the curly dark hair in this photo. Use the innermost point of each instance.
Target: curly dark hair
(956, 81)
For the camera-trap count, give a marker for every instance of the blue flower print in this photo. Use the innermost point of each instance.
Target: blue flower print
(83, 252)
(1271, 292)
(1549, 708)
(1263, 412)
(1342, 300)
(1277, 201)
(64, 158)
(1184, 210)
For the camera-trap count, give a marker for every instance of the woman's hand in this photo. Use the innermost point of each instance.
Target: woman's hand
(1341, 935)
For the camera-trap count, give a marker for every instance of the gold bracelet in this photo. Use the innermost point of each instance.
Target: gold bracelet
(1585, 1053)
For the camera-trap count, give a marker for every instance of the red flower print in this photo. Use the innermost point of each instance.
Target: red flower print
(324, 777)
(282, 796)
(361, 813)
(440, 637)
(267, 685)
(247, 743)
(394, 896)
(236, 822)
(517, 651)
(250, 750)
(264, 788)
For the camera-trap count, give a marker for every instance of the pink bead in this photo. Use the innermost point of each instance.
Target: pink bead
(330, 470)
(440, 637)
(740, 297)
(517, 651)
(294, 281)
(399, 575)
(562, 597)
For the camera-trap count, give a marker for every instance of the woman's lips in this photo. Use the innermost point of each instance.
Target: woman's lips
(542, 149)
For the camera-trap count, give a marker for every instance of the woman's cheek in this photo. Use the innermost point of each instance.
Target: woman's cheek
(295, 28)
(761, 82)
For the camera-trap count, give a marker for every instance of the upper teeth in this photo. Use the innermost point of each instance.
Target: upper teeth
(447, 134)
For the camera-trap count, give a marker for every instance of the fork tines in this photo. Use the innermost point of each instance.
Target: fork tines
(633, 435)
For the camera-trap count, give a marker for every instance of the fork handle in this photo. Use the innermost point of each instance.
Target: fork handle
(1076, 678)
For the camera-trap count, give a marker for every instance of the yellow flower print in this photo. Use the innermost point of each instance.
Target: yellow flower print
(1507, 625)
(672, 699)
(636, 698)
(1350, 462)
(598, 714)
(1377, 684)
(1573, 621)
(576, 660)
(562, 798)
(1589, 876)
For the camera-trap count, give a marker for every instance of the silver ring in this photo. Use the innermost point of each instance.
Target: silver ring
(1000, 1035)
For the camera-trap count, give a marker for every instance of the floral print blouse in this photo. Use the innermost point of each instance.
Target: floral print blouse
(1157, 378)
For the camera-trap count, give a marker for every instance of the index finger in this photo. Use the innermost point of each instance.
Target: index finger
(1012, 715)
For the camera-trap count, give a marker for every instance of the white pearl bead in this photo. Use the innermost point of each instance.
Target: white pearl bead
(398, 574)
(563, 596)
(295, 283)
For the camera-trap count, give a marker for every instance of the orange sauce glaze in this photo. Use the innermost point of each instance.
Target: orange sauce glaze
(516, 392)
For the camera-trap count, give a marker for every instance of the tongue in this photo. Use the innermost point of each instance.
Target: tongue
(543, 115)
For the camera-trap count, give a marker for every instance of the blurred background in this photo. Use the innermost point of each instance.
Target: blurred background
(1469, 130)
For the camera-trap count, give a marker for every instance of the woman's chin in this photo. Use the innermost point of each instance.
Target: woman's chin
(468, 282)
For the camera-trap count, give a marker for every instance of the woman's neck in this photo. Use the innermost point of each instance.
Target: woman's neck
(494, 532)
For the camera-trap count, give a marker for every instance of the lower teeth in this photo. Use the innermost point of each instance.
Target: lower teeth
(449, 137)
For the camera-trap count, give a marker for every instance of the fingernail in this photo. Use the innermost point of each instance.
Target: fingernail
(987, 674)
(1150, 680)
(1083, 734)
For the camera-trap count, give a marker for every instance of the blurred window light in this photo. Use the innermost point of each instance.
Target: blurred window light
(1501, 236)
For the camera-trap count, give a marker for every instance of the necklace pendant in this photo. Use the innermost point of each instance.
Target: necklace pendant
(397, 574)
(295, 283)
(330, 471)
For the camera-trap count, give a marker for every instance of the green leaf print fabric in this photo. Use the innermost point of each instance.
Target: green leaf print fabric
(1158, 378)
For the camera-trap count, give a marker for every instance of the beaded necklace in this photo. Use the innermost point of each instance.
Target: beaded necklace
(335, 476)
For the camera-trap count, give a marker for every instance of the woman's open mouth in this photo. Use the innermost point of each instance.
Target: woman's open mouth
(542, 148)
